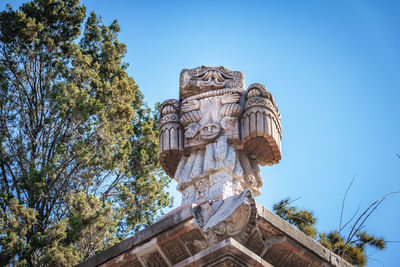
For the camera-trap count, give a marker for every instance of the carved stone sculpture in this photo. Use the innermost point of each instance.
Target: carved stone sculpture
(211, 141)
(220, 219)
(214, 137)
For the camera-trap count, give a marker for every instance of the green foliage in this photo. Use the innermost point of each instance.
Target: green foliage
(78, 147)
(351, 250)
(304, 220)
(15, 223)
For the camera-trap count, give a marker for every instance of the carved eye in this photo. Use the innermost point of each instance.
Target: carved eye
(213, 127)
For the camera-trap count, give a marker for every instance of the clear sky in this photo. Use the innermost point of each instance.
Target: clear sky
(333, 68)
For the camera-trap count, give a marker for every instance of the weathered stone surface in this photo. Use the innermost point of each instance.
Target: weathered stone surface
(180, 239)
(203, 79)
(261, 126)
(154, 259)
(213, 138)
(232, 217)
(175, 250)
(171, 136)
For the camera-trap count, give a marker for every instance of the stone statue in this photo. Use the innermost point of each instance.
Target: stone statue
(213, 139)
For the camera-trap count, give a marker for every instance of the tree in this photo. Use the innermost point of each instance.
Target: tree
(78, 147)
(351, 248)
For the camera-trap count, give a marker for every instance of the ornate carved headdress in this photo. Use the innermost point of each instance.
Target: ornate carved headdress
(203, 79)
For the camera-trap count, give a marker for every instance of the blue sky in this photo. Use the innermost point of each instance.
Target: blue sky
(333, 68)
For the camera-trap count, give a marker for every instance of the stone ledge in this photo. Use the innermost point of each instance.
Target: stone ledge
(177, 240)
(299, 237)
(140, 237)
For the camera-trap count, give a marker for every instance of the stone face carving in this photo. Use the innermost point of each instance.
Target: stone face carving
(214, 137)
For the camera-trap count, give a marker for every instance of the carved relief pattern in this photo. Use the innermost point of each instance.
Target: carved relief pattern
(226, 260)
(229, 263)
(175, 251)
(203, 79)
(285, 255)
(154, 259)
(133, 263)
(171, 136)
(261, 126)
(188, 194)
(190, 238)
